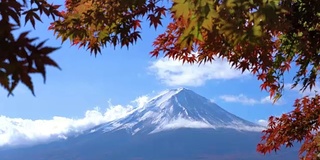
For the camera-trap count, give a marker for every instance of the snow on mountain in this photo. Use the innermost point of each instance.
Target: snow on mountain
(178, 108)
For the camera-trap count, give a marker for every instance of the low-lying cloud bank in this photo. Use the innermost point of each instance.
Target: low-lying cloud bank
(18, 131)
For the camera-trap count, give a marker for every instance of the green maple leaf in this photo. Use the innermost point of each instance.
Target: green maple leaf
(181, 8)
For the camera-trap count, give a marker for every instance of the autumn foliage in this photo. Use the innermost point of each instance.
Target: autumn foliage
(302, 125)
(20, 56)
(266, 38)
(94, 24)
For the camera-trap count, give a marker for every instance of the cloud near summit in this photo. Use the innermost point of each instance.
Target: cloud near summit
(18, 131)
(174, 73)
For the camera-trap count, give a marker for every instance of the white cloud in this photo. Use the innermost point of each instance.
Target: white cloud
(183, 123)
(263, 122)
(174, 73)
(267, 99)
(141, 101)
(18, 131)
(243, 99)
(239, 98)
(187, 123)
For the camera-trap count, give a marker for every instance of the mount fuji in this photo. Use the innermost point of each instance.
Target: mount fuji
(177, 124)
(178, 108)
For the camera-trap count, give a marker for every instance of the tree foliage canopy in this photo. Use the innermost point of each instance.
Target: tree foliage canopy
(264, 37)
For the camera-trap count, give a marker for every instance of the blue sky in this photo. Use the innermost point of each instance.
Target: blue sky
(88, 86)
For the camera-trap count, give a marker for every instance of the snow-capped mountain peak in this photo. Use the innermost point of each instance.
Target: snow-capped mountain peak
(178, 108)
(164, 96)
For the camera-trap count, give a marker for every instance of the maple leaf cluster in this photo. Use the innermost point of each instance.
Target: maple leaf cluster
(300, 125)
(20, 56)
(96, 23)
